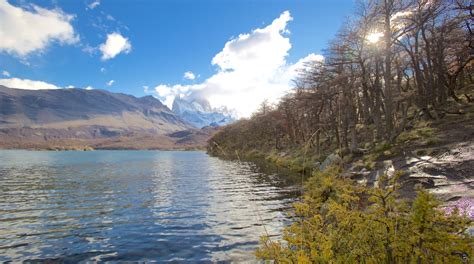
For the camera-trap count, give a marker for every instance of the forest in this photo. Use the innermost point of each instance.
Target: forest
(392, 64)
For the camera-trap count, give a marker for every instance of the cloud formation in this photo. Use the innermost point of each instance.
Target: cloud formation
(24, 31)
(27, 84)
(251, 68)
(5, 73)
(110, 83)
(114, 45)
(93, 4)
(189, 75)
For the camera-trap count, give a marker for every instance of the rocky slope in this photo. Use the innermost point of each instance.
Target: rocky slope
(438, 155)
(70, 118)
(65, 108)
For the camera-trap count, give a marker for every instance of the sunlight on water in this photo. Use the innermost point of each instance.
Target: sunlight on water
(135, 205)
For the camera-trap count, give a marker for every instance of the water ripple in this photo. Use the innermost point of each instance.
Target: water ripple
(136, 206)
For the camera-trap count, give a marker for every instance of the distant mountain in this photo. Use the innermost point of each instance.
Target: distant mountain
(97, 118)
(199, 113)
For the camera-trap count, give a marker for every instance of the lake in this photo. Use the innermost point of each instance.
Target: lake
(136, 206)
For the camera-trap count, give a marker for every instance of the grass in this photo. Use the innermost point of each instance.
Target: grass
(294, 160)
(418, 134)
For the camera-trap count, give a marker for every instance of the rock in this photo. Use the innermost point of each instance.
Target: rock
(360, 151)
(332, 159)
(465, 206)
(386, 168)
(448, 174)
(88, 148)
(317, 164)
(364, 172)
(359, 176)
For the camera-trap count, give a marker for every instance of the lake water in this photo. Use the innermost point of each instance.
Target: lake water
(136, 206)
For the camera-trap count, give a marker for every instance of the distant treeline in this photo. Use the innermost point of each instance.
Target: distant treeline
(393, 62)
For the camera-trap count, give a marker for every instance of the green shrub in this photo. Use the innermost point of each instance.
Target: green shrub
(341, 222)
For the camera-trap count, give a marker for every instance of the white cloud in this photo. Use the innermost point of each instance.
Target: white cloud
(189, 75)
(5, 73)
(27, 84)
(305, 63)
(251, 68)
(89, 49)
(69, 87)
(25, 31)
(110, 83)
(264, 48)
(93, 5)
(114, 45)
(166, 93)
(89, 88)
(103, 70)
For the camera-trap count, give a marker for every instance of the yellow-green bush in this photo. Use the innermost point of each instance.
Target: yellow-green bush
(341, 222)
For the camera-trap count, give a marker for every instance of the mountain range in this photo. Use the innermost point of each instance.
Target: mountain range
(73, 118)
(199, 113)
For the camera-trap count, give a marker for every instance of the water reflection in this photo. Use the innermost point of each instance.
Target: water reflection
(135, 205)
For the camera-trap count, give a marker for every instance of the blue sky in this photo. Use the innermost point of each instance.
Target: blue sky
(158, 41)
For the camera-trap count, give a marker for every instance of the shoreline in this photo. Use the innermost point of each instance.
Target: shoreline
(104, 149)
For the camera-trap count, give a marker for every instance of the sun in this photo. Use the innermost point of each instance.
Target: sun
(374, 37)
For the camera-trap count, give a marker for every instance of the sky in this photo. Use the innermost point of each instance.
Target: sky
(233, 53)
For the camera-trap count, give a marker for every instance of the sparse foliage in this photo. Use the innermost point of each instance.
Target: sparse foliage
(393, 62)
